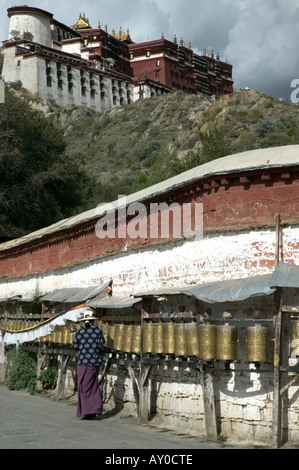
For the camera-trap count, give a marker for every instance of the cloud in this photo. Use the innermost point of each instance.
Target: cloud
(259, 37)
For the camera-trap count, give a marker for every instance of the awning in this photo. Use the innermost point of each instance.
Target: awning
(285, 275)
(114, 302)
(233, 290)
(74, 294)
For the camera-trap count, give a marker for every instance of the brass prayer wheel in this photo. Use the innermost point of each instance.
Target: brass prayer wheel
(148, 339)
(257, 344)
(127, 338)
(104, 327)
(158, 346)
(110, 338)
(66, 335)
(59, 334)
(136, 339)
(180, 339)
(168, 338)
(207, 342)
(192, 336)
(119, 337)
(226, 343)
(294, 339)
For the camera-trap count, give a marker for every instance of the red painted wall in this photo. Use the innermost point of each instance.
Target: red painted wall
(230, 203)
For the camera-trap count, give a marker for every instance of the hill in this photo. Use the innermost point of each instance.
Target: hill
(132, 147)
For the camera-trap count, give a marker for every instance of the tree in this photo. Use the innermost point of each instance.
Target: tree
(39, 183)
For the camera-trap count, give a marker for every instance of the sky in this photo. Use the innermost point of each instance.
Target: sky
(260, 38)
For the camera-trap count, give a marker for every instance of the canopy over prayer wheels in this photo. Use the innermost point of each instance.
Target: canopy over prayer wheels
(192, 338)
(180, 339)
(226, 343)
(294, 339)
(207, 342)
(158, 346)
(257, 344)
(168, 338)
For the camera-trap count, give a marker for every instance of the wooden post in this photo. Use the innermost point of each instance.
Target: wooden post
(277, 247)
(276, 419)
(209, 402)
(144, 391)
(2, 359)
(62, 376)
(41, 359)
(144, 395)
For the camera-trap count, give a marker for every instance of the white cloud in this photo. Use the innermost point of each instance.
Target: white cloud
(259, 37)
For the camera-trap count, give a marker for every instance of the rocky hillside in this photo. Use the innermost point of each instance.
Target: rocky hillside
(132, 147)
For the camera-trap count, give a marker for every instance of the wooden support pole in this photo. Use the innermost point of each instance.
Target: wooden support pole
(276, 418)
(2, 359)
(144, 395)
(62, 376)
(209, 402)
(41, 359)
(135, 386)
(143, 383)
(277, 247)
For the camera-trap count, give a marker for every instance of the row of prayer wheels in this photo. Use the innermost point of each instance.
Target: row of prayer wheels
(209, 342)
(16, 325)
(60, 335)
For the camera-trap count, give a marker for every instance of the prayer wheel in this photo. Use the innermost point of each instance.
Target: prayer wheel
(136, 339)
(168, 338)
(257, 344)
(158, 346)
(192, 336)
(294, 339)
(66, 335)
(104, 327)
(148, 339)
(110, 338)
(59, 334)
(180, 339)
(226, 343)
(119, 337)
(207, 342)
(128, 331)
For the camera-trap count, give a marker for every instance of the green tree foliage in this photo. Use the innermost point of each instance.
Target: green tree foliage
(39, 183)
(21, 372)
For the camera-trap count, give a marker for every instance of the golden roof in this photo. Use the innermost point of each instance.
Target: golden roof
(82, 23)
